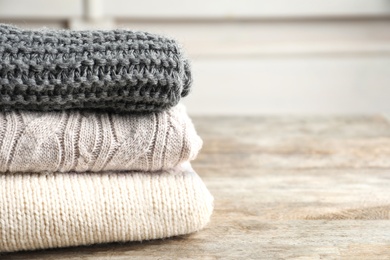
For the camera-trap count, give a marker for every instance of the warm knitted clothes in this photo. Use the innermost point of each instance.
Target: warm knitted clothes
(112, 70)
(40, 211)
(84, 141)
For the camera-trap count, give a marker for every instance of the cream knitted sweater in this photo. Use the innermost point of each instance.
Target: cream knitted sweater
(67, 209)
(93, 142)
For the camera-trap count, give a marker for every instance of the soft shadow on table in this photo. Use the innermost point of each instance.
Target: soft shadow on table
(98, 250)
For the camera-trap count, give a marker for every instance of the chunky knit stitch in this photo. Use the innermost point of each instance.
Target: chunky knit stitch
(116, 70)
(85, 141)
(39, 211)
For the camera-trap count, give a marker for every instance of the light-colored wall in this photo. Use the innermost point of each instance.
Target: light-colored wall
(253, 56)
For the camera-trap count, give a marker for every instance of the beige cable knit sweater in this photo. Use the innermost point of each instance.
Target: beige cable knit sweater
(93, 142)
(40, 211)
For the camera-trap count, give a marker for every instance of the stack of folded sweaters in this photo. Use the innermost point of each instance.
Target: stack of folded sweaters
(94, 147)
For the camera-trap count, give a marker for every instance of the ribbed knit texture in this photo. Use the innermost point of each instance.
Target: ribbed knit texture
(85, 141)
(116, 70)
(58, 210)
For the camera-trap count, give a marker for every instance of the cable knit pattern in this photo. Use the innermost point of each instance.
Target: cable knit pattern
(39, 211)
(116, 70)
(93, 142)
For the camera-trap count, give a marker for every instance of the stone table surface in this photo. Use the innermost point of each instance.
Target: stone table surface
(284, 188)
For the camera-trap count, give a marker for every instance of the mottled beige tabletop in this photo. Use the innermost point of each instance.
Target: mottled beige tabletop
(284, 188)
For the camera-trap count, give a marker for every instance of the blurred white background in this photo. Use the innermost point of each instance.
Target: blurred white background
(252, 56)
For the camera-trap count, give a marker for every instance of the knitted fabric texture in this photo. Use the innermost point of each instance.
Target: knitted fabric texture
(117, 70)
(93, 142)
(39, 211)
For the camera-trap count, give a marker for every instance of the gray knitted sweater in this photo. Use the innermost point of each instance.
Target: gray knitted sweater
(116, 70)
